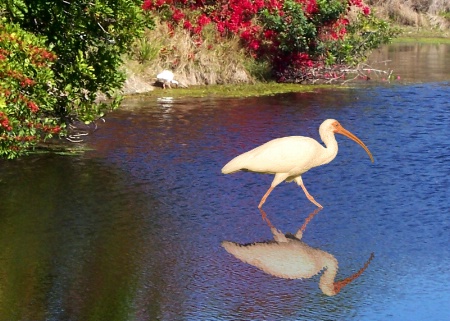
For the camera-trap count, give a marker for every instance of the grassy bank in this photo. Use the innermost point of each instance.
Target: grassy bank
(411, 34)
(232, 90)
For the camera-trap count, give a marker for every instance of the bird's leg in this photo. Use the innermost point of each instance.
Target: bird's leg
(309, 196)
(263, 199)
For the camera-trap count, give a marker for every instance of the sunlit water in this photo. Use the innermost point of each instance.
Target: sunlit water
(132, 229)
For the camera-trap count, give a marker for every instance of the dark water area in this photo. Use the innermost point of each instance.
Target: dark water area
(132, 228)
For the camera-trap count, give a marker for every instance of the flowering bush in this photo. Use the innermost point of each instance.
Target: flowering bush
(26, 81)
(301, 39)
(90, 39)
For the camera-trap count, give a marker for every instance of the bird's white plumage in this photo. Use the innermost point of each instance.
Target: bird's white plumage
(165, 75)
(289, 157)
(293, 155)
(166, 78)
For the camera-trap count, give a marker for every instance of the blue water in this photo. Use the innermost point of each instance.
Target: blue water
(131, 229)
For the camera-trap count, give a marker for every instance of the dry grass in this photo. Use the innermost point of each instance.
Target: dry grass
(417, 13)
(210, 62)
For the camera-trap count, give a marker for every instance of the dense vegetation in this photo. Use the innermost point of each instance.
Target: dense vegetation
(56, 57)
(294, 40)
(26, 86)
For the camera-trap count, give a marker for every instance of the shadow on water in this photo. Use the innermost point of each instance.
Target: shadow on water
(132, 229)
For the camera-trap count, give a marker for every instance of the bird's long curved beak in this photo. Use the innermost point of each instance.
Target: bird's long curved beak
(341, 130)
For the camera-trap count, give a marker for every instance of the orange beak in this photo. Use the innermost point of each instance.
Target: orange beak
(341, 130)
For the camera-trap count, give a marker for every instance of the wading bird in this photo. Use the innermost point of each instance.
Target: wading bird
(166, 78)
(289, 157)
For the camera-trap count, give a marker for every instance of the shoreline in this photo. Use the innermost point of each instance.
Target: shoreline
(139, 85)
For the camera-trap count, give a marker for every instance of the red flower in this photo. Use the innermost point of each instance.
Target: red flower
(159, 3)
(366, 10)
(147, 5)
(203, 20)
(246, 35)
(187, 25)
(258, 4)
(56, 129)
(254, 45)
(311, 7)
(221, 27)
(177, 15)
(33, 107)
(197, 30)
(27, 82)
(269, 34)
(5, 123)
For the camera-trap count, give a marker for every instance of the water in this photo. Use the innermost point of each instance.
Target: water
(132, 228)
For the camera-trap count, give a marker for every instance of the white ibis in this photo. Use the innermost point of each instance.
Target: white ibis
(166, 78)
(288, 257)
(289, 157)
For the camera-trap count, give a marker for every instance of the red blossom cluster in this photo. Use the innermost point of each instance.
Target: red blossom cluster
(359, 4)
(56, 129)
(4, 122)
(23, 80)
(24, 71)
(335, 30)
(26, 138)
(38, 56)
(240, 17)
(229, 16)
(21, 98)
(3, 54)
(310, 7)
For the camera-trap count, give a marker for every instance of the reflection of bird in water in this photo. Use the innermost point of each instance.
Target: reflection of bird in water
(288, 257)
(166, 78)
(289, 157)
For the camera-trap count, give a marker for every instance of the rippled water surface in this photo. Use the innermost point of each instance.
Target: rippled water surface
(132, 228)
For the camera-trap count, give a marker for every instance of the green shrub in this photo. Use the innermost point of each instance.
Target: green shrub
(26, 86)
(89, 39)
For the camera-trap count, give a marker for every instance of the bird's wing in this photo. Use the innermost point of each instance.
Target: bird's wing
(165, 75)
(281, 155)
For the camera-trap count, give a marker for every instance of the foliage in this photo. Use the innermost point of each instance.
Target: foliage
(363, 34)
(26, 83)
(89, 38)
(300, 39)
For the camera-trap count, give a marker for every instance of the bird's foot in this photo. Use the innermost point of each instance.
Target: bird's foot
(314, 202)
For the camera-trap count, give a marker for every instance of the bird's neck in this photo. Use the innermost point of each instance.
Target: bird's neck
(331, 149)
(326, 283)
